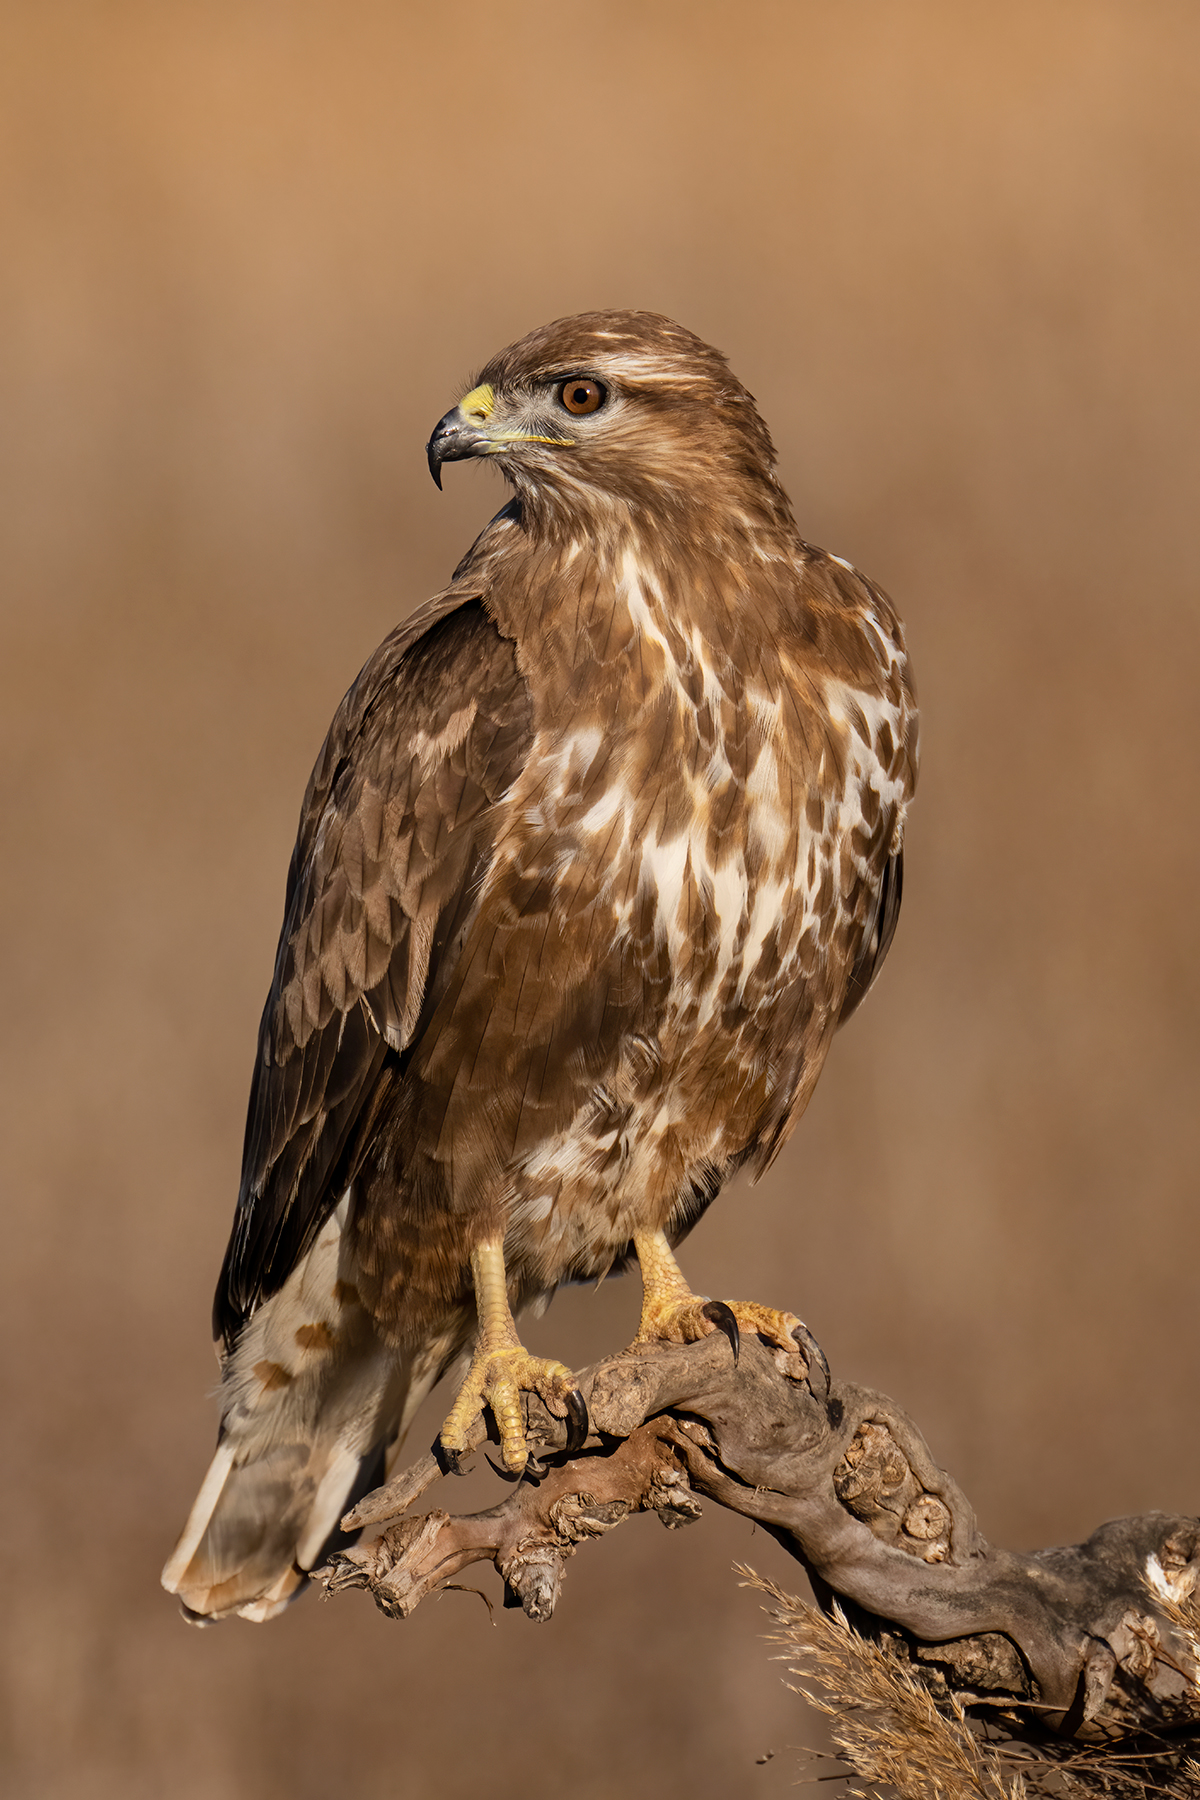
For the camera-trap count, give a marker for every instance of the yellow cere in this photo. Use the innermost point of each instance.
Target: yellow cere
(480, 403)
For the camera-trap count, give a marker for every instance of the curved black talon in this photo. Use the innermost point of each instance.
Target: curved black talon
(506, 1475)
(814, 1356)
(451, 1461)
(577, 1422)
(722, 1315)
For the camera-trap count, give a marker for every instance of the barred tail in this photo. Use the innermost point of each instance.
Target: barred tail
(312, 1401)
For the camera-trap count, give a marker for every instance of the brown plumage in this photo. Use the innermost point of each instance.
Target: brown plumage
(603, 845)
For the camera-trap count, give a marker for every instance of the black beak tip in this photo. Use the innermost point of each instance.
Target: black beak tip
(435, 464)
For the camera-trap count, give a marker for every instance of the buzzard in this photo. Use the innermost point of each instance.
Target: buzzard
(603, 845)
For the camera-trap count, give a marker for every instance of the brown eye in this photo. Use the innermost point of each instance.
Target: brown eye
(580, 396)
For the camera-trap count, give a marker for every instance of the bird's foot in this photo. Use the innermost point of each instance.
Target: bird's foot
(672, 1314)
(502, 1370)
(782, 1329)
(497, 1378)
(685, 1318)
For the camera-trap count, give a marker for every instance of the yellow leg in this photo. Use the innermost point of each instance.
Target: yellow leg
(671, 1313)
(502, 1369)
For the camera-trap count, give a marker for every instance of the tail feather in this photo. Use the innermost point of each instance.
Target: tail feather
(311, 1401)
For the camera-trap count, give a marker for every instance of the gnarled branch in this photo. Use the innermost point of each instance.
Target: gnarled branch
(1097, 1642)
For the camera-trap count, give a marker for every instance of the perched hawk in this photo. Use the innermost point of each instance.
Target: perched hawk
(603, 845)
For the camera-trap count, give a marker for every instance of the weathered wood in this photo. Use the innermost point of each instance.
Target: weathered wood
(1097, 1642)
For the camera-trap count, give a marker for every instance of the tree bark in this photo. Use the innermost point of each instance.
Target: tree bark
(1097, 1642)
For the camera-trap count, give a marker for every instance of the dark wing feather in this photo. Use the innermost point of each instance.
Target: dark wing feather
(395, 835)
(878, 938)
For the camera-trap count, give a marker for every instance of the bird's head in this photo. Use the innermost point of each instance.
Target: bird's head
(621, 412)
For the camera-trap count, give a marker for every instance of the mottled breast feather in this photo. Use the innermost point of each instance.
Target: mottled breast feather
(694, 878)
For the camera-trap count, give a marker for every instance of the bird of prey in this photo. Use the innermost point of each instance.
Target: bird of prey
(603, 845)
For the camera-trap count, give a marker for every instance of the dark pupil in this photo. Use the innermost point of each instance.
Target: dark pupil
(580, 396)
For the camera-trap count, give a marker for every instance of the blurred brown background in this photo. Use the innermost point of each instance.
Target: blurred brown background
(250, 253)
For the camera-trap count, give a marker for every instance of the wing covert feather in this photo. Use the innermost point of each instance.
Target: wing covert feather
(393, 841)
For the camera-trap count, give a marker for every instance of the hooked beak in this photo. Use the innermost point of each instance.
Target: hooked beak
(466, 431)
(454, 438)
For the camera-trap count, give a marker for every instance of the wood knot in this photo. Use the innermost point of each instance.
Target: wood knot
(533, 1568)
(579, 1516)
(532, 1573)
(927, 1522)
(670, 1496)
(875, 1482)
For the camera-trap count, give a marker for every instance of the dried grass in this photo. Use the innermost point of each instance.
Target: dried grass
(883, 1720)
(890, 1732)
